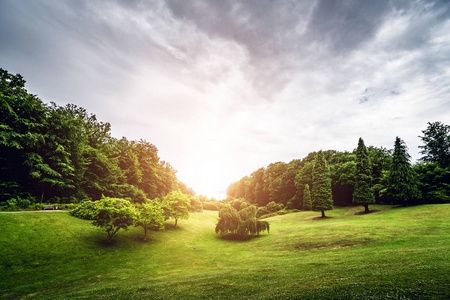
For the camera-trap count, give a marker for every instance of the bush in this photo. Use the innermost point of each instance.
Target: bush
(23, 203)
(282, 212)
(273, 206)
(38, 206)
(87, 210)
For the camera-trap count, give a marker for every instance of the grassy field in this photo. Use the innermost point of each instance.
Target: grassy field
(396, 253)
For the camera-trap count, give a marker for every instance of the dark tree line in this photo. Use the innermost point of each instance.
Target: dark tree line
(365, 176)
(50, 153)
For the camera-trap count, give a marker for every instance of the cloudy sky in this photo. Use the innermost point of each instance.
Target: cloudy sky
(223, 88)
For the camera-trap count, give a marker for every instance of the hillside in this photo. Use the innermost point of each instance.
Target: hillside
(390, 253)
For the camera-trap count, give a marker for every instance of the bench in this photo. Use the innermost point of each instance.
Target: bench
(49, 207)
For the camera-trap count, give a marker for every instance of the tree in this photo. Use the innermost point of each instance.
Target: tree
(176, 205)
(306, 198)
(303, 177)
(229, 220)
(114, 214)
(150, 216)
(363, 193)
(243, 223)
(437, 144)
(434, 182)
(402, 187)
(321, 196)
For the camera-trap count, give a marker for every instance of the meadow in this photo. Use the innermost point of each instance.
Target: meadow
(393, 252)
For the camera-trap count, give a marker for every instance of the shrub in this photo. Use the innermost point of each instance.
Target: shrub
(282, 212)
(273, 206)
(87, 210)
(23, 203)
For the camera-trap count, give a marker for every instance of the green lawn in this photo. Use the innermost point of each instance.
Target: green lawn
(397, 253)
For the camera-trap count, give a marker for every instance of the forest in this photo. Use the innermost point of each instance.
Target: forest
(63, 154)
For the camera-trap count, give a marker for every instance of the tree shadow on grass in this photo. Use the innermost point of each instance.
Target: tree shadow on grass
(319, 218)
(238, 238)
(366, 213)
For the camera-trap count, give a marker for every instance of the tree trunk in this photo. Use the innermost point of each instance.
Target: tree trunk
(176, 221)
(366, 208)
(323, 214)
(145, 234)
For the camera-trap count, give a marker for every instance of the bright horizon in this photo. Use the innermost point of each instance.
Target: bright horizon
(223, 88)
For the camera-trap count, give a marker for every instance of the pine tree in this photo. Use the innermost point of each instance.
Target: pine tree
(321, 196)
(306, 198)
(363, 193)
(402, 183)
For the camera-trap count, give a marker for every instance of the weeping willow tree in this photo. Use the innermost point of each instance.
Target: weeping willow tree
(242, 223)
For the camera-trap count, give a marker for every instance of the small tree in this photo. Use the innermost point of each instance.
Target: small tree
(114, 214)
(402, 185)
(321, 191)
(176, 205)
(306, 198)
(243, 222)
(150, 217)
(363, 193)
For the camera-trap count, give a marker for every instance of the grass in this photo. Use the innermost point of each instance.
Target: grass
(398, 253)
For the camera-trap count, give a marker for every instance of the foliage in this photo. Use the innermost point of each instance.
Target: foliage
(321, 196)
(86, 210)
(114, 214)
(402, 181)
(436, 148)
(176, 205)
(63, 154)
(195, 204)
(307, 205)
(363, 193)
(434, 182)
(243, 223)
(150, 216)
(272, 206)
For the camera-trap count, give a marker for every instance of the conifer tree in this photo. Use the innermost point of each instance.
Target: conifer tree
(321, 196)
(363, 193)
(306, 198)
(402, 182)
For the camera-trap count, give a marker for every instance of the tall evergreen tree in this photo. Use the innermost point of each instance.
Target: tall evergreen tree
(402, 182)
(363, 193)
(306, 198)
(322, 198)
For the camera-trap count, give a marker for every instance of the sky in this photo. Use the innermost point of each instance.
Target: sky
(224, 87)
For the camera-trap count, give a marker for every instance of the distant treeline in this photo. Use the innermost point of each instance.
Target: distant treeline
(285, 183)
(50, 153)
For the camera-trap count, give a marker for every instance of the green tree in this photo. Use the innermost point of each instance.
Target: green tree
(150, 216)
(306, 198)
(434, 182)
(243, 223)
(114, 214)
(176, 205)
(402, 186)
(363, 193)
(304, 177)
(321, 196)
(436, 148)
